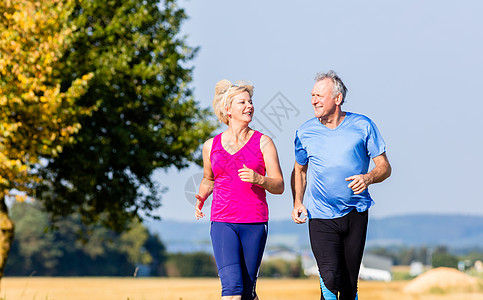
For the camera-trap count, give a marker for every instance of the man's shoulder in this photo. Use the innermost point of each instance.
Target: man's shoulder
(355, 117)
(307, 124)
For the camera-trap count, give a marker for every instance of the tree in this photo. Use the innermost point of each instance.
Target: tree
(38, 116)
(34, 249)
(60, 252)
(442, 258)
(196, 264)
(157, 250)
(147, 117)
(279, 267)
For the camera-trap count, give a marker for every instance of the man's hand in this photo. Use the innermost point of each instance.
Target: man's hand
(297, 211)
(359, 183)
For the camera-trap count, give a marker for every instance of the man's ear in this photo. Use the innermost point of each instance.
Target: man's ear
(338, 99)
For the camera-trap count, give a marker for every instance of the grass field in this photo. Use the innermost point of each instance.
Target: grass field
(41, 288)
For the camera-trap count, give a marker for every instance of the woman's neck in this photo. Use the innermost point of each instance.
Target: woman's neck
(238, 132)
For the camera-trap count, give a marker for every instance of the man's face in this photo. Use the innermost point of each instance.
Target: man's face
(322, 101)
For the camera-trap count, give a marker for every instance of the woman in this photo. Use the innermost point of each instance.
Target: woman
(239, 165)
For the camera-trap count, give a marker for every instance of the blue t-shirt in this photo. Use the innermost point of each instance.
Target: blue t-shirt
(333, 155)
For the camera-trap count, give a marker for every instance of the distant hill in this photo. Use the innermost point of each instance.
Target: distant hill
(453, 231)
(456, 231)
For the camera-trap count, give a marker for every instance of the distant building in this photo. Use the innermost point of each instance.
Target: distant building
(416, 268)
(375, 267)
(479, 266)
(309, 264)
(283, 254)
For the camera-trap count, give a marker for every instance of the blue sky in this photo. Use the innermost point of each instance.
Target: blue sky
(414, 67)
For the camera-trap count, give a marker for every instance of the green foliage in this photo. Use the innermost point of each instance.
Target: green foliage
(197, 264)
(386, 252)
(281, 268)
(444, 260)
(473, 255)
(33, 247)
(401, 275)
(36, 118)
(147, 118)
(100, 252)
(156, 249)
(403, 255)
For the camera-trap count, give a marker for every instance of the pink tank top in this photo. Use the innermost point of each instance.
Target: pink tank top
(236, 201)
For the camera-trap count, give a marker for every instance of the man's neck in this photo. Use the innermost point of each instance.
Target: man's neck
(333, 120)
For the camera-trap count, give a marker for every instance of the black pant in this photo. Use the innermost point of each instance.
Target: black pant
(338, 245)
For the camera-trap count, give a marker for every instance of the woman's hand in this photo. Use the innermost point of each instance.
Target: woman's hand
(199, 205)
(248, 175)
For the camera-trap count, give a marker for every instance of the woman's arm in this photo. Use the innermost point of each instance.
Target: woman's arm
(208, 181)
(273, 182)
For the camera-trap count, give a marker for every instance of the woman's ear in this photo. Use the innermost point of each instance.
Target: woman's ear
(228, 111)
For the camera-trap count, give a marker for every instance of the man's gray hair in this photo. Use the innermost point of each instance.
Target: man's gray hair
(338, 85)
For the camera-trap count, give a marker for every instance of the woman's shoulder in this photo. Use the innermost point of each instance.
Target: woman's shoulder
(265, 138)
(208, 144)
(265, 141)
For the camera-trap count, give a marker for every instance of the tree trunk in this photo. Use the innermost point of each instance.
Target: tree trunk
(6, 234)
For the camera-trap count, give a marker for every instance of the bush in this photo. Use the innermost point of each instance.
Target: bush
(444, 260)
(197, 264)
(281, 268)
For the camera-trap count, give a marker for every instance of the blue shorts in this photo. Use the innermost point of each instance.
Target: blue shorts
(238, 249)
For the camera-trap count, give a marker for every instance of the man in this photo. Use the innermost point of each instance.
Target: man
(332, 156)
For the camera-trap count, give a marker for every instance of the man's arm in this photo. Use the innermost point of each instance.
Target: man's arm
(381, 171)
(298, 183)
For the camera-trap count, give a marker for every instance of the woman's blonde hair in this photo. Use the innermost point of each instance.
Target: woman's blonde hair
(224, 93)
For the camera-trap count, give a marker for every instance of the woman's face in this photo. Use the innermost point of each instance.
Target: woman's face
(241, 108)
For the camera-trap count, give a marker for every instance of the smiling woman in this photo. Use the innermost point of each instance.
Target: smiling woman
(239, 165)
(225, 92)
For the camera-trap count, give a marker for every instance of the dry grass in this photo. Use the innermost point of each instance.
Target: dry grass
(444, 280)
(41, 288)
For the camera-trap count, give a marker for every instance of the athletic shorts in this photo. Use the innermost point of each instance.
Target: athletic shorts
(338, 245)
(238, 249)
